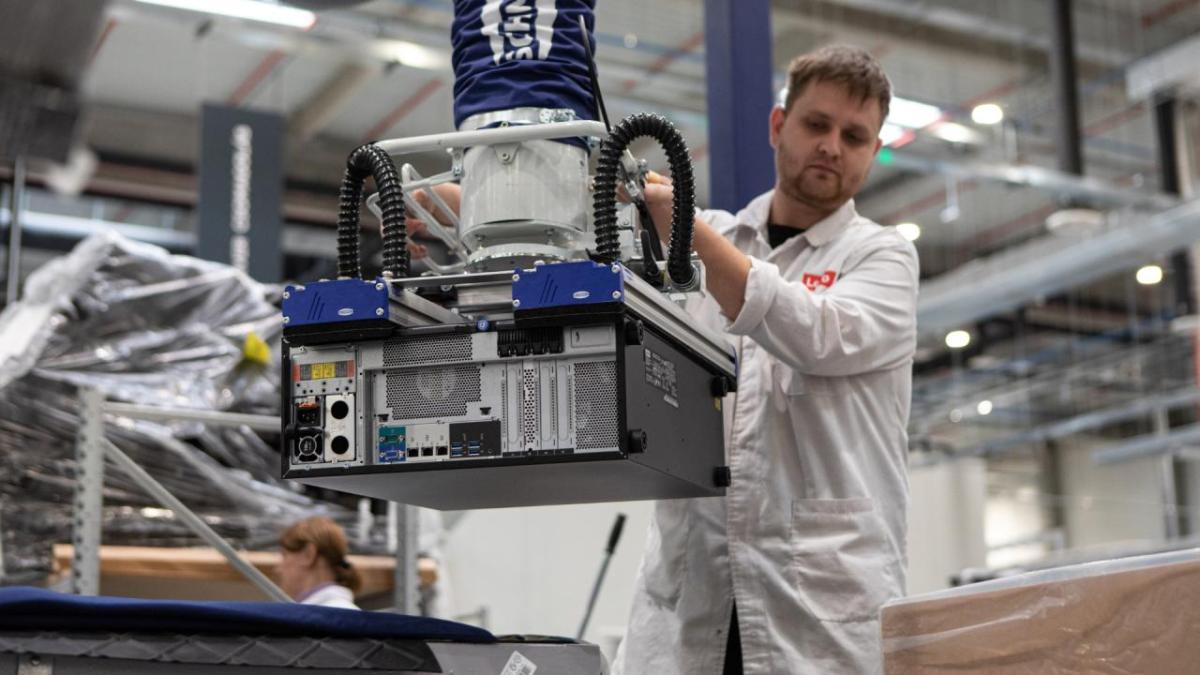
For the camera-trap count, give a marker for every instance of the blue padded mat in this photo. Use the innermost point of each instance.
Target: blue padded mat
(27, 608)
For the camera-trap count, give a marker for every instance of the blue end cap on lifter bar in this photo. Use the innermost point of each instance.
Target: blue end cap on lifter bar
(567, 284)
(335, 301)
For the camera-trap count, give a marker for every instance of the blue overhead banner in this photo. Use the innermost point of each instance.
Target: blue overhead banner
(521, 54)
(240, 209)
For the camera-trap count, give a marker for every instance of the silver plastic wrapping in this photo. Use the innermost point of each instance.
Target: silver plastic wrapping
(142, 326)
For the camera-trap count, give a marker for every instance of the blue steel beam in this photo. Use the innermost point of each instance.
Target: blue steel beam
(739, 68)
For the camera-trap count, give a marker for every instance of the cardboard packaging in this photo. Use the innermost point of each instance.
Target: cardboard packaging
(1133, 615)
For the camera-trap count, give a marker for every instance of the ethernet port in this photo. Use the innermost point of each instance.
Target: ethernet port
(413, 452)
(442, 451)
(427, 452)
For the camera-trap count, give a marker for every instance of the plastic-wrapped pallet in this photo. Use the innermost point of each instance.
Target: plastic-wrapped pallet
(142, 326)
(1125, 616)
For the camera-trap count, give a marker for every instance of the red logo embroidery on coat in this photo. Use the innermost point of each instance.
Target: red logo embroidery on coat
(811, 281)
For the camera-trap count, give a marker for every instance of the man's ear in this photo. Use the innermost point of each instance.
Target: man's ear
(776, 124)
(878, 145)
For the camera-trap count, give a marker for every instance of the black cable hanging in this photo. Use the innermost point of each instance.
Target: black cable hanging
(608, 249)
(371, 160)
(601, 111)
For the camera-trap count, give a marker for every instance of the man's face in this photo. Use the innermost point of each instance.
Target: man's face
(825, 144)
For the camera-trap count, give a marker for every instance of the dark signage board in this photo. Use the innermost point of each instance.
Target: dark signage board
(240, 213)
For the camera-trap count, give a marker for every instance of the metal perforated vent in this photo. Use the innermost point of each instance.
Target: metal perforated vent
(505, 418)
(595, 405)
(432, 392)
(529, 407)
(554, 409)
(430, 349)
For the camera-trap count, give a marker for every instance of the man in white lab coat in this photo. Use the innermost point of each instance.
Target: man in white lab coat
(787, 573)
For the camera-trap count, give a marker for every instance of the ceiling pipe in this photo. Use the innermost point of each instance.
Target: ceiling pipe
(1050, 264)
(990, 28)
(1085, 422)
(1092, 191)
(331, 98)
(1150, 445)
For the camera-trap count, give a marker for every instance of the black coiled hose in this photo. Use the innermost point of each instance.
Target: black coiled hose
(608, 248)
(371, 160)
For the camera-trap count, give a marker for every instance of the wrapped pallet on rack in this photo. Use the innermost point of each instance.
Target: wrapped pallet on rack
(140, 326)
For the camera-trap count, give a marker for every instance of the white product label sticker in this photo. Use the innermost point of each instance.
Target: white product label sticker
(518, 665)
(514, 28)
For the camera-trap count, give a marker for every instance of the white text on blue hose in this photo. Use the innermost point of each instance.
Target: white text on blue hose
(519, 29)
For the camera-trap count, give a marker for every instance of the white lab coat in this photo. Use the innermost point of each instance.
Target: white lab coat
(331, 595)
(810, 538)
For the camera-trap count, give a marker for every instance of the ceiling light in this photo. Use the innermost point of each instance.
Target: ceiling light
(957, 339)
(956, 415)
(987, 113)
(911, 114)
(953, 132)
(910, 231)
(890, 133)
(1075, 222)
(1149, 275)
(410, 54)
(245, 9)
(984, 408)
(631, 40)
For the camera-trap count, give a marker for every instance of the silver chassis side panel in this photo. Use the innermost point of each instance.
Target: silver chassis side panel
(492, 291)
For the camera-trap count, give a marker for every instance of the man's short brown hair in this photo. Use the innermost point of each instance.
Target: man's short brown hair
(848, 66)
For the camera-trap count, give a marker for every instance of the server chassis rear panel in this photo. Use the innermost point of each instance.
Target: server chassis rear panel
(584, 410)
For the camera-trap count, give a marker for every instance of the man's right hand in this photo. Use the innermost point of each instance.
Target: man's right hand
(450, 193)
(659, 194)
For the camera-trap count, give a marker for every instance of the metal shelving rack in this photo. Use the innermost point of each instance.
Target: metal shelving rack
(93, 447)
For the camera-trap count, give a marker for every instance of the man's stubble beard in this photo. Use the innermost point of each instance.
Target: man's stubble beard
(822, 199)
(793, 185)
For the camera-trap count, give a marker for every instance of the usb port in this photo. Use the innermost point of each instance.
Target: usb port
(473, 448)
(456, 449)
